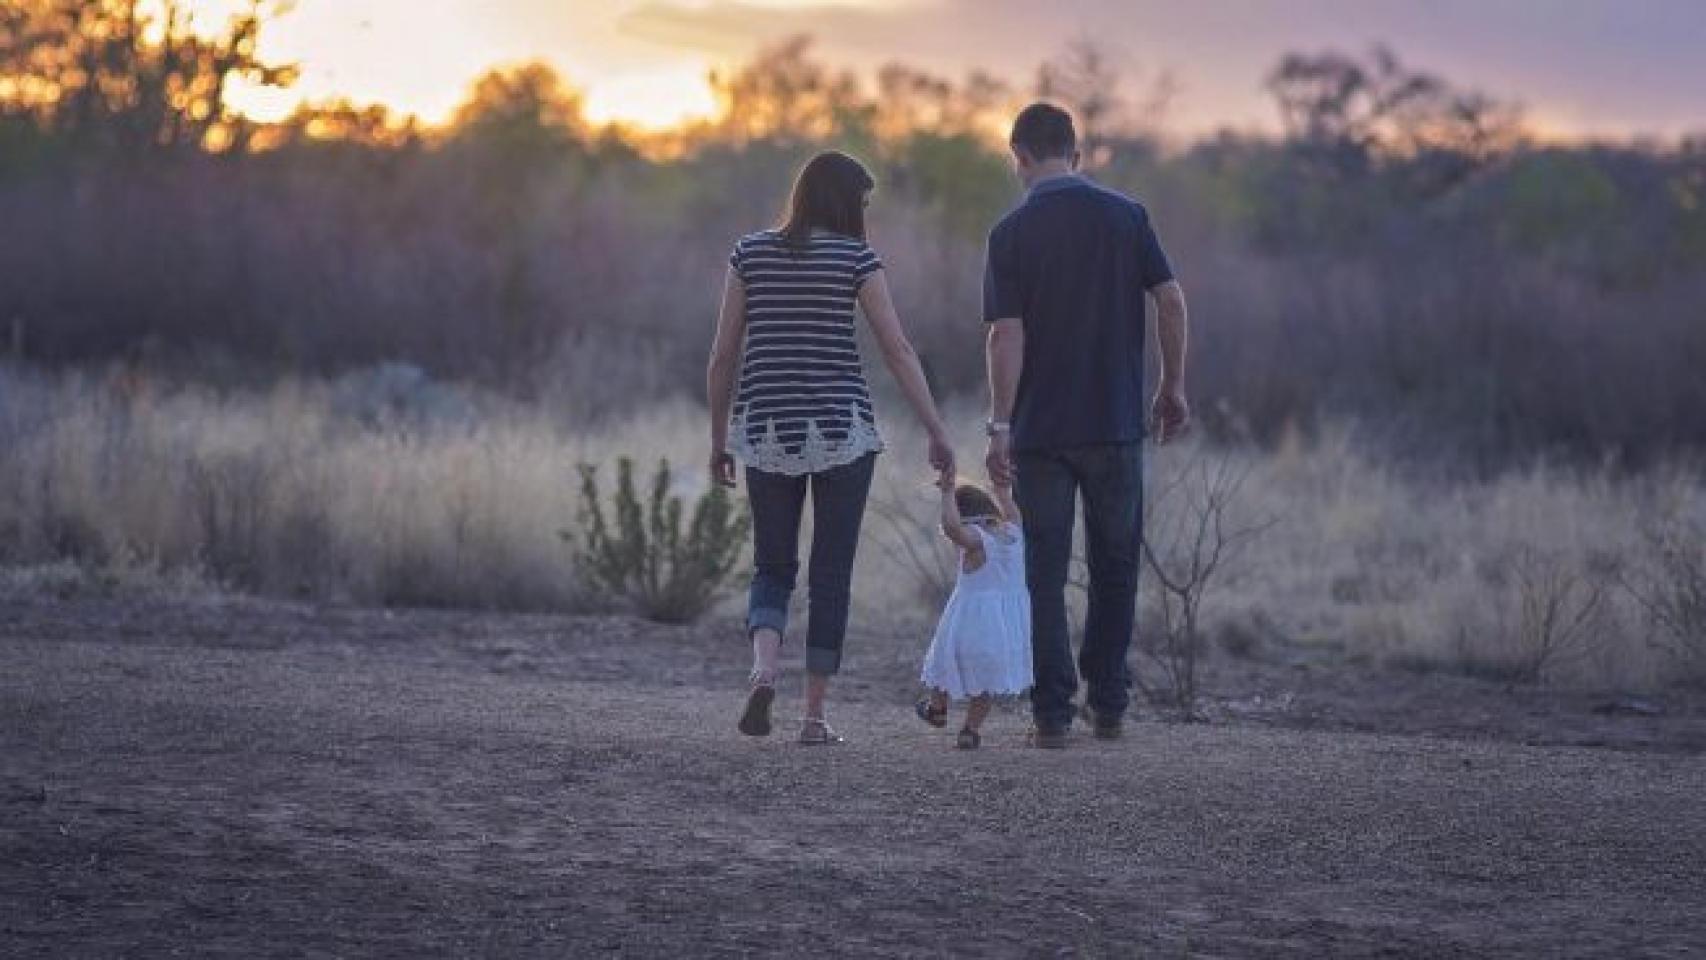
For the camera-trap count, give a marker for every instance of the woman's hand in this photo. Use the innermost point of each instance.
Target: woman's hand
(942, 457)
(722, 467)
(946, 482)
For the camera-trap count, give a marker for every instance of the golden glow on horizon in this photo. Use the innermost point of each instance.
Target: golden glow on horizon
(653, 100)
(421, 56)
(643, 63)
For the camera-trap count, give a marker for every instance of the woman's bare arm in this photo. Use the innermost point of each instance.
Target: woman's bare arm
(720, 373)
(902, 361)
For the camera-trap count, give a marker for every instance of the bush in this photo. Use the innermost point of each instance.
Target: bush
(645, 559)
(1557, 609)
(1671, 589)
(1185, 546)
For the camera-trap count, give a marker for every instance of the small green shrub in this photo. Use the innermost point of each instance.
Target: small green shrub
(639, 552)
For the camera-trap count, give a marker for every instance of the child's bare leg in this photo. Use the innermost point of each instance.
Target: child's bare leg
(766, 654)
(978, 709)
(938, 700)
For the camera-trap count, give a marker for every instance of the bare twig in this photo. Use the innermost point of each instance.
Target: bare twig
(1184, 554)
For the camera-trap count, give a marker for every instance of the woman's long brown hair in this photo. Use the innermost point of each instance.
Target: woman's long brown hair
(829, 195)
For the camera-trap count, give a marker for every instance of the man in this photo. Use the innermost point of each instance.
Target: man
(1064, 298)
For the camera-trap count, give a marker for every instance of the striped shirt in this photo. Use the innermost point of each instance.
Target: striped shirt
(802, 405)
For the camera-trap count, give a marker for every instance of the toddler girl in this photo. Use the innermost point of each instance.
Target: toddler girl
(982, 646)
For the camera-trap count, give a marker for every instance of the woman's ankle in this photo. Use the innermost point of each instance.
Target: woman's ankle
(766, 654)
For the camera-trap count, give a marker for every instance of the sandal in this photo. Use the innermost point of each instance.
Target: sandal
(755, 719)
(815, 732)
(968, 739)
(930, 713)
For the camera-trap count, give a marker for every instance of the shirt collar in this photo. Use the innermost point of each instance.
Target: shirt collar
(1059, 181)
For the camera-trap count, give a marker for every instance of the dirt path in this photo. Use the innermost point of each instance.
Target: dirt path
(261, 782)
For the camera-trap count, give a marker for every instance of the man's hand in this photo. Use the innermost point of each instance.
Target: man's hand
(1169, 415)
(722, 467)
(999, 460)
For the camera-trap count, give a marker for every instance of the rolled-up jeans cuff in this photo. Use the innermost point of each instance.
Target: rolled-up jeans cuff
(766, 618)
(822, 661)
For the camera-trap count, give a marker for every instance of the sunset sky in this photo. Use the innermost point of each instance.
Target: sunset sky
(1582, 67)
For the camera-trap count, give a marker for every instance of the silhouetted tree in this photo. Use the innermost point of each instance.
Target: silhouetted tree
(1088, 79)
(1347, 113)
(784, 95)
(131, 76)
(342, 122)
(520, 110)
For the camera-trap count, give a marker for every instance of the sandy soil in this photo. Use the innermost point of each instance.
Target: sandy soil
(255, 780)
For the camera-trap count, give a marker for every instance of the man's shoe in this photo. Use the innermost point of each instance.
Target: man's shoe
(1048, 739)
(1104, 726)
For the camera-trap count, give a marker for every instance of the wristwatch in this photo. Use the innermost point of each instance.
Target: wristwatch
(993, 427)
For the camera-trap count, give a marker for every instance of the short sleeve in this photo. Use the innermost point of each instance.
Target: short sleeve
(737, 260)
(1151, 259)
(866, 264)
(1001, 298)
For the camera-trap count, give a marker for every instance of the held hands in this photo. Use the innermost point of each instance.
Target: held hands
(942, 457)
(999, 459)
(1169, 414)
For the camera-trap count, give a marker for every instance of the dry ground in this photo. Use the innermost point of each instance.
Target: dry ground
(256, 780)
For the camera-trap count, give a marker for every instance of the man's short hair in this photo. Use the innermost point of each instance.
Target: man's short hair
(1045, 132)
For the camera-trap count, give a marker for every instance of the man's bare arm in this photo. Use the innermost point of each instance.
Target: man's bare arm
(1005, 353)
(1170, 414)
(1009, 507)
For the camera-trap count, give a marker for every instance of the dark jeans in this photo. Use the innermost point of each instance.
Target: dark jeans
(1110, 476)
(838, 507)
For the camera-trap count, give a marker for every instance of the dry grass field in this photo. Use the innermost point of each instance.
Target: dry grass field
(390, 490)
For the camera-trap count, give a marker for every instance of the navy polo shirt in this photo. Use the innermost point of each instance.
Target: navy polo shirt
(1074, 262)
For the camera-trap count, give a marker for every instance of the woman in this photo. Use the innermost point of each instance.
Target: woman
(801, 417)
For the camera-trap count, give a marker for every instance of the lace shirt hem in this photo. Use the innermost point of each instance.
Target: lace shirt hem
(815, 454)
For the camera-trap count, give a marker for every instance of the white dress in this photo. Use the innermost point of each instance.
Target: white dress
(983, 642)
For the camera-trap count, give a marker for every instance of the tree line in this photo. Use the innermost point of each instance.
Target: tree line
(1405, 255)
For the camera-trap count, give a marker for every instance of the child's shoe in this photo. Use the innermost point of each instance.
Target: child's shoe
(930, 712)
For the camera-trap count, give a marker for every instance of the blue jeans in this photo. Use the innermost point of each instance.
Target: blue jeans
(838, 507)
(1110, 477)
